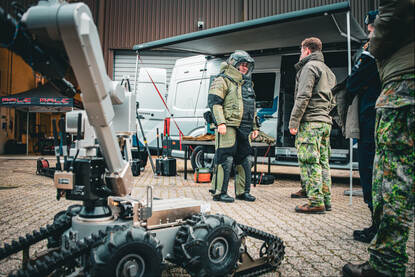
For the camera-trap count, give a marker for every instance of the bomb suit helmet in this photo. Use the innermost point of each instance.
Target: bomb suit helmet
(240, 56)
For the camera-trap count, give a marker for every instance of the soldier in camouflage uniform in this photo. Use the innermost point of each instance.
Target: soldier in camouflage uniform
(311, 123)
(394, 174)
(232, 102)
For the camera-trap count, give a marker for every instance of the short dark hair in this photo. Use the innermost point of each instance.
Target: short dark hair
(314, 44)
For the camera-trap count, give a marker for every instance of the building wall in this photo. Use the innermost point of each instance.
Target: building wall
(124, 23)
(262, 8)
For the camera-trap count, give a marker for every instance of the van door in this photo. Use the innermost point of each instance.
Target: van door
(266, 86)
(185, 87)
(266, 78)
(212, 69)
(184, 105)
(151, 106)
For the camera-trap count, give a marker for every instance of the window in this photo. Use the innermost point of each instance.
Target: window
(264, 86)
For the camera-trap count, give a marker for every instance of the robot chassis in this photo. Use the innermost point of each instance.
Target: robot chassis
(139, 240)
(112, 233)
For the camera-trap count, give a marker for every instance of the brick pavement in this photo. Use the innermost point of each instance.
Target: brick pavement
(316, 245)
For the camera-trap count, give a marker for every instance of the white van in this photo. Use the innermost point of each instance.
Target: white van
(274, 79)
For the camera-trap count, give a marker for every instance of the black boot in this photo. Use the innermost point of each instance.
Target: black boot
(361, 270)
(366, 235)
(223, 197)
(246, 196)
(245, 168)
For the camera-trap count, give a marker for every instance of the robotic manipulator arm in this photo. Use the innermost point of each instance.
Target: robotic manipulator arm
(68, 32)
(42, 57)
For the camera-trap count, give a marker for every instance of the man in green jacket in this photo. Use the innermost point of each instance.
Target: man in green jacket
(311, 123)
(392, 44)
(232, 101)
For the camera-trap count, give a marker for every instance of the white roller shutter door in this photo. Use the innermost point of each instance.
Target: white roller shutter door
(125, 63)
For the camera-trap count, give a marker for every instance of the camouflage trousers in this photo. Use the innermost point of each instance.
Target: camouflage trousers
(313, 147)
(393, 188)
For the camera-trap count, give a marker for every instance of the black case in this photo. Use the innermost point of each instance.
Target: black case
(265, 180)
(140, 154)
(166, 166)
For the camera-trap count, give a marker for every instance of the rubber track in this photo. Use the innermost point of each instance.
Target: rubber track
(54, 229)
(266, 237)
(48, 263)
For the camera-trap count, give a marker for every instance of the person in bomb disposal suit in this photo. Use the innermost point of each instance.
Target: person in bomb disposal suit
(232, 102)
(311, 123)
(364, 82)
(392, 44)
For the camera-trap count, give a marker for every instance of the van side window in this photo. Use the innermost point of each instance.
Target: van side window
(264, 86)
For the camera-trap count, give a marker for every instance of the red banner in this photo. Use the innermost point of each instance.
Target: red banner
(43, 101)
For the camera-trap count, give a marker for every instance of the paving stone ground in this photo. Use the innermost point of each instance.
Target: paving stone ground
(316, 245)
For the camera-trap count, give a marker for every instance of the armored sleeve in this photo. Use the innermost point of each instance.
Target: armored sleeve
(305, 90)
(217, 93)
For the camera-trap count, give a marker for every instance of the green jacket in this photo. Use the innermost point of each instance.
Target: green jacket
(225, 97)
(394, 28)
(392, 44)
(313, 97)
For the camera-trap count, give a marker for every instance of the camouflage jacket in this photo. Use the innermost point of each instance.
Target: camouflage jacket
(313, 97)
(392, 44)
(225, 97)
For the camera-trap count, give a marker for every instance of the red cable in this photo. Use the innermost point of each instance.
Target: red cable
(162, 99)
(260, 179)
(266, 153)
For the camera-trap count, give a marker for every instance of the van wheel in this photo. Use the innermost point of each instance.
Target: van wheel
(199, 158)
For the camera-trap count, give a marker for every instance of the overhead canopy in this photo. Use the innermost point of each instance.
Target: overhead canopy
(45, 98)
(274, 32)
